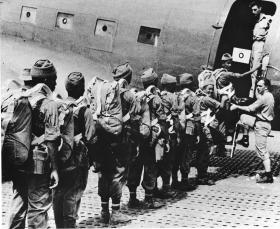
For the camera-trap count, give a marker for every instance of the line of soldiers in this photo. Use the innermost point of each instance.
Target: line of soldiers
(161, 129)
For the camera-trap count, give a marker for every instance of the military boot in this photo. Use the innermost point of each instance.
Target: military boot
(186, 186)
(205, 181)
(118, 217)
(162, 194)
(105, 214)
(151, 203)
(263, 178)
(134, 203)
(175, 184)
(244, 141)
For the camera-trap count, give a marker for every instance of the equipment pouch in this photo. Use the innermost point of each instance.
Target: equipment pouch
(41, 159)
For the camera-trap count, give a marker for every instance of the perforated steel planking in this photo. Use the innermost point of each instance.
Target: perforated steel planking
(235, 201)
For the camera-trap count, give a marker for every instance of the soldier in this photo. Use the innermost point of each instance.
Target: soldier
(211, 126)
(74, 173)
(225, 83)
(263, 108)
(190, 131)
(170, 107)
(19, 178)
(33, 190)
(131, 109)
(114, 161)
(45, 122)
(137, 159)
(259, 36)
(147, 155)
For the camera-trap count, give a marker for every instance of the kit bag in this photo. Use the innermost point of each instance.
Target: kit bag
(105, 104)
(16, 131)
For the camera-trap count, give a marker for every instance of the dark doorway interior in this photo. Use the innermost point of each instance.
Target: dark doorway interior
(237, 32)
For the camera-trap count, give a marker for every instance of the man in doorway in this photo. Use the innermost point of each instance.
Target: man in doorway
(259, 36)
(263, 108)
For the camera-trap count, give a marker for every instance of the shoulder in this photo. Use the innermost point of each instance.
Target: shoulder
(269, 96)
(266, 18)
(49, 105)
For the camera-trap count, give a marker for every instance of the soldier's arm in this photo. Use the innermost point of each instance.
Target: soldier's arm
(52, 132)
(145, 124)
(238, 75)
(196, 114)
(135, 107)
(251, 108)
(90, 127)
(211, 103)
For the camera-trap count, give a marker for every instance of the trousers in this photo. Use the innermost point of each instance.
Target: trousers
(165, 166)
(256, 59)
(203, 157)
(39, 200)
(183, 156)
(19, 201)
(67, 197)
(262, 130)
(113, 167)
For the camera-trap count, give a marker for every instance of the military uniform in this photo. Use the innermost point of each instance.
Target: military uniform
(259, 36)
(43, 163)
(116, 152)
(207, 137)
(170, 107)
(74, 172)
(189, 116)
(147, 146)
(136, 165)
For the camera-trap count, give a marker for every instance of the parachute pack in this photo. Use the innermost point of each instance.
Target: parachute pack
(16, 126)
(16, 118)
(105, 104)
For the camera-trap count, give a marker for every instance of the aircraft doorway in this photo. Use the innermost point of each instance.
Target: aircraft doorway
(238, 33)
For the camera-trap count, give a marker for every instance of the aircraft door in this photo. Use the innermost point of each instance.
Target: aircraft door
(237, 39)
(217, 31)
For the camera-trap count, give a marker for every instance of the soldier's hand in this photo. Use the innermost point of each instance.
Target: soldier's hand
(233, 107)
(54, 179)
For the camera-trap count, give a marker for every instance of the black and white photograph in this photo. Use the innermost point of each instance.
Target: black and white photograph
(140, 114)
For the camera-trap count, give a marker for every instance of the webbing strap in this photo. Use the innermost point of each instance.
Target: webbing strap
(126, 117)
(98, 101)
(78, 137)
(38, 140)
(206, 117)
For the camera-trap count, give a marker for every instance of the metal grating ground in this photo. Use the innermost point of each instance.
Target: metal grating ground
(235, 201)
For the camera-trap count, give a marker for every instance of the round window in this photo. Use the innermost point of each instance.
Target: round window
(64, 21)
(104, 28)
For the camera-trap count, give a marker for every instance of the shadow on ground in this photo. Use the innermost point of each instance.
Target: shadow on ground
(243, 163)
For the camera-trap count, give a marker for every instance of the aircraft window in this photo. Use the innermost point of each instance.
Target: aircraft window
(28, 14)
(148, 35)
(64, 21)
(105, 28)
